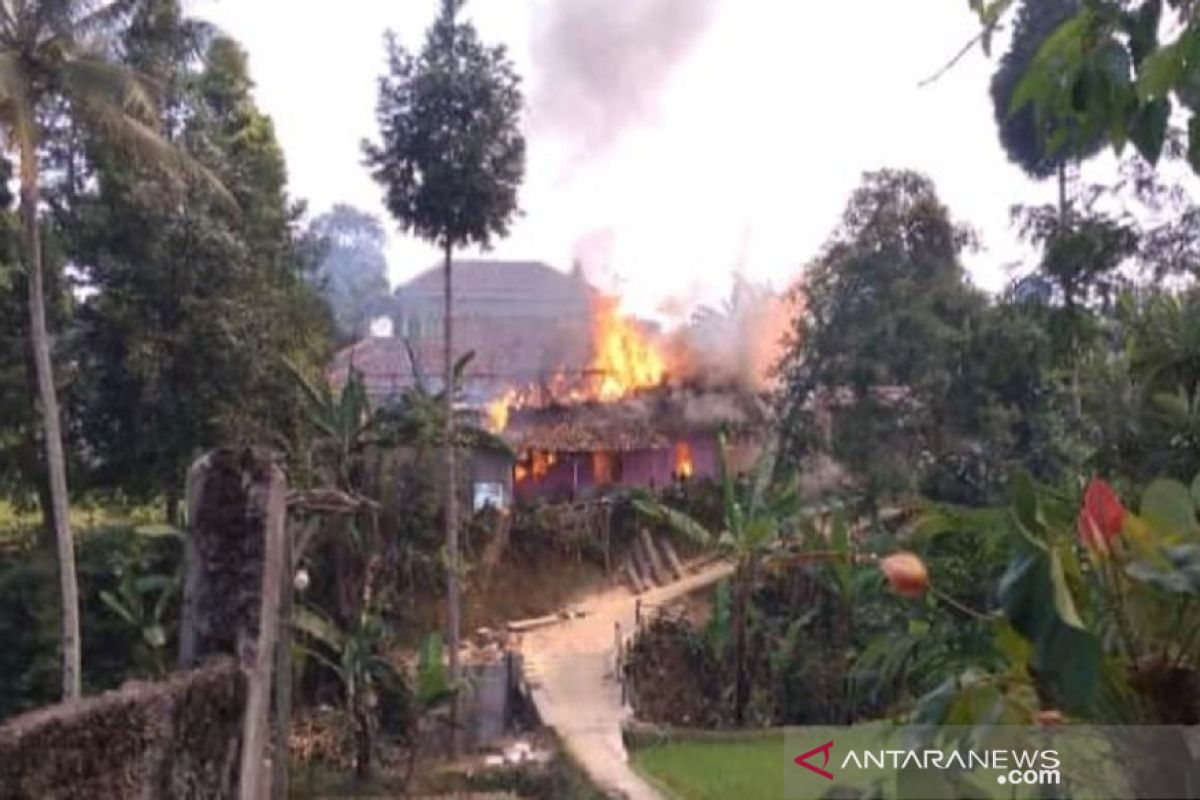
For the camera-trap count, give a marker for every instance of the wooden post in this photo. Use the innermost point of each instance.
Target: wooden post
(193, 570)
(260, 655)
(281, 757)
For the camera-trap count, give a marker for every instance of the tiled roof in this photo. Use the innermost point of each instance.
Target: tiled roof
(496, 277)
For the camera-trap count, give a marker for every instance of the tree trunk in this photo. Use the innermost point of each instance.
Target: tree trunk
(1069, 300)
(453, 621)
(56, 466)
(363, 746)
(741, 602)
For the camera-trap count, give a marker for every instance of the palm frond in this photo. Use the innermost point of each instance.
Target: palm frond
(763, 474)
(677, 520)
(728, 486)
(320, 399)
(100, 18)
(84, 74)
(118, 608)
(112, 121)
(319, 628)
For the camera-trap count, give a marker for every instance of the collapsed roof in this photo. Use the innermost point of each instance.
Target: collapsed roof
(646, 420)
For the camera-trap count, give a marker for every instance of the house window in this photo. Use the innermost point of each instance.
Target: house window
(490, 493)
(413, 327)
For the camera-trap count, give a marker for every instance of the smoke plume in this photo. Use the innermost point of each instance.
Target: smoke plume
(603, 62)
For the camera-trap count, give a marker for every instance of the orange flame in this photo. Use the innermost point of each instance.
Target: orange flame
(684, 465)
(497, 410)
(625, 359)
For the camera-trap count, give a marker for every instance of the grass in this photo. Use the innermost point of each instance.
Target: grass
(749, 768)
(18, 524)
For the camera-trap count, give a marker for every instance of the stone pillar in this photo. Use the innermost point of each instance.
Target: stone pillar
(237, 508)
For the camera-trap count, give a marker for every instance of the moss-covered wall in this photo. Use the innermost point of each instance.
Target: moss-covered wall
(175, 739)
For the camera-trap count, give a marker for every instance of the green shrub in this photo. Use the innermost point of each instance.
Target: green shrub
(113, 649)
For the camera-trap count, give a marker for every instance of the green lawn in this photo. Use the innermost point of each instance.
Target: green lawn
(16, 524)
(745, 769)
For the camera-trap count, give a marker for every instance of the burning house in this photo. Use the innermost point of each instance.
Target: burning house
(650, 439)
(589, 400)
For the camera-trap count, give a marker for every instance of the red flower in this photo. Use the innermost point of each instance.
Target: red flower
(1101, 518)
(906, 573)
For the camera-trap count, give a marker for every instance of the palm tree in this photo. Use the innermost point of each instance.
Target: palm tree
(755, 513)
(59, 52)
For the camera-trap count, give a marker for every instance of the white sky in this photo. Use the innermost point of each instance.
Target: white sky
(744, 164)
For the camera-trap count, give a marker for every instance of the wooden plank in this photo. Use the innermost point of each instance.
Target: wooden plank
(522, 625)
(642, 565)
(671, 556)
(635, 580)
(656, 565)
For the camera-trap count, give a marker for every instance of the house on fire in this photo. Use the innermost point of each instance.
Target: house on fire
(530, 325)
(649, 440)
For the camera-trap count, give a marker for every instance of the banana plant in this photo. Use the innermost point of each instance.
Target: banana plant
(755, 515)
(142, 601)
(356, 655)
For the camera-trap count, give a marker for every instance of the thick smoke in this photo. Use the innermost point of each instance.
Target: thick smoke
(739, 343)
(602, 63)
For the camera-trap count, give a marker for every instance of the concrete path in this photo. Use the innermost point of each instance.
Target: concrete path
(570, 670)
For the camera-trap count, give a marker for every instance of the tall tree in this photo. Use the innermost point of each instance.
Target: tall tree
(57, 55)
(353, 271)
(1105, 72)
(1024, 133)
(884, 307)
(194, 307)
(450, 160)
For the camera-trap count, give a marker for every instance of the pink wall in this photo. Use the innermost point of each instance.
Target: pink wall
(572, 475)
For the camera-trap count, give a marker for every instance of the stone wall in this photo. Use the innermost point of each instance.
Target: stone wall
(174, 739)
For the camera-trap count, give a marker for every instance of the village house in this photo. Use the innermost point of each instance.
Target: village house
(533, 328)
(524, 321)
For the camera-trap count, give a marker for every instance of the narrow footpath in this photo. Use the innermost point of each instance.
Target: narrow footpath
(570, 670)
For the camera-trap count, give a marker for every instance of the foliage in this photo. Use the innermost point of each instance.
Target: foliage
(867, 374)
(755, 512)
(1023, 132)
(1141, 399)
(357, 655)
(1081, 253)
(1100, 628)
(1006, 398)
(143, 601)
(451, 154)
(1107, 71)
(114, 651)
(450, 161)
(180, 343)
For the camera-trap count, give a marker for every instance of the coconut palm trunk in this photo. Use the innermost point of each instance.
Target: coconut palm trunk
(453, 613)
(51, 426)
